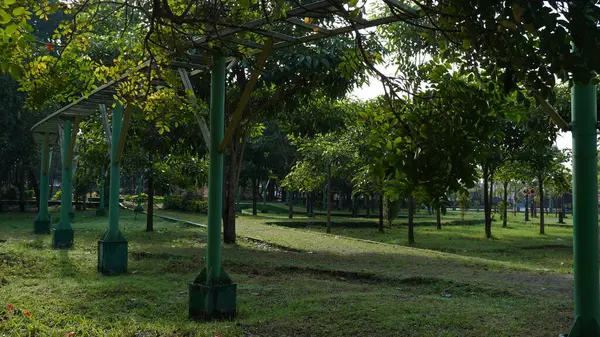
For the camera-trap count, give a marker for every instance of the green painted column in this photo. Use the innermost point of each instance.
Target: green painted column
(62, 236)
(212, 294)
(585, 212)
(112, 247)
(101, 211)
(139, 208)
(42, 223)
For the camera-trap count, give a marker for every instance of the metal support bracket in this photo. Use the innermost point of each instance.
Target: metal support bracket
(194, 102)
(74, 132)
(123, 135)
(107, 129)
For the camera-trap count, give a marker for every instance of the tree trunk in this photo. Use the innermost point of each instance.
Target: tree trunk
(527, 205)
(541, 187)
(329, 197)
(271, 192)
(515, 205)
(329, 202)
(367, 206)
(411, 224)
(230, 189)
(491, 195)
(354, 206)
(505, 201)
(308, 204)
(372, 205)
(51, 192)
(381, 213)
(21, 187)
(34, 185)
(150, 209)
(486, 204)
(438, 216)
(254, 195)
(290, 205)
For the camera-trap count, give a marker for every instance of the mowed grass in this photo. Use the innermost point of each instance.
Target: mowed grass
(519, 243)
(292, 281)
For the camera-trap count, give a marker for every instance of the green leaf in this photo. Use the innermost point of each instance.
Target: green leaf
(18, 11)
(14, 71)
(508, 24)
(11, 29)
(354, 13)
(4, 17)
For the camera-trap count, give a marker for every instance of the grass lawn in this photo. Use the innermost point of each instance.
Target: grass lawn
(292, 280)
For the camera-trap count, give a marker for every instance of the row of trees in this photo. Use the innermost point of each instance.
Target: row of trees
(469, 100)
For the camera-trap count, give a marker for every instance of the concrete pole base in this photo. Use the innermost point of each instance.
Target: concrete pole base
(212, 302)
(62, 238)
(112, 257)
(42, 226)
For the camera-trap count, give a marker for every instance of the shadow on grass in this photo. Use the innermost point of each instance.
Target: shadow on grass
(286, 291)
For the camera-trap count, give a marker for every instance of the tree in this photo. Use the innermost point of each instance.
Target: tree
(539, 153)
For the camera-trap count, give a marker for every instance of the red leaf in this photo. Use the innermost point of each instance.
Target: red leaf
(11, 307)
(49, 46)
(27, 313)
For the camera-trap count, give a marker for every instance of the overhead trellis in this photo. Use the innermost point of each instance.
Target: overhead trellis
(248, 35)
(212, 293)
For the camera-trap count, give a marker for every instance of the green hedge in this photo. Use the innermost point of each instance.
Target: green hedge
(29, 194)
(134, 197)
(178, 203)
(57, 195)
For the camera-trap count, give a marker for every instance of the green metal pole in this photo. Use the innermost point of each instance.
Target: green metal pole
(115, 172)
(585, 212)
(215, 170)
(43, 220)
(101, 211)
(63, 233)
(112, 247)
(212, 294)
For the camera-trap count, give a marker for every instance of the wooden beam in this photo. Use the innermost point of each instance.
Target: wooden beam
(239, 109)
(124, 129)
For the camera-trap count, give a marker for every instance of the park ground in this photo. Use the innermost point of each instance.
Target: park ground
(293, 279)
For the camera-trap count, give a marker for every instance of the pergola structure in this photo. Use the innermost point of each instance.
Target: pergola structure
(212, 293)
